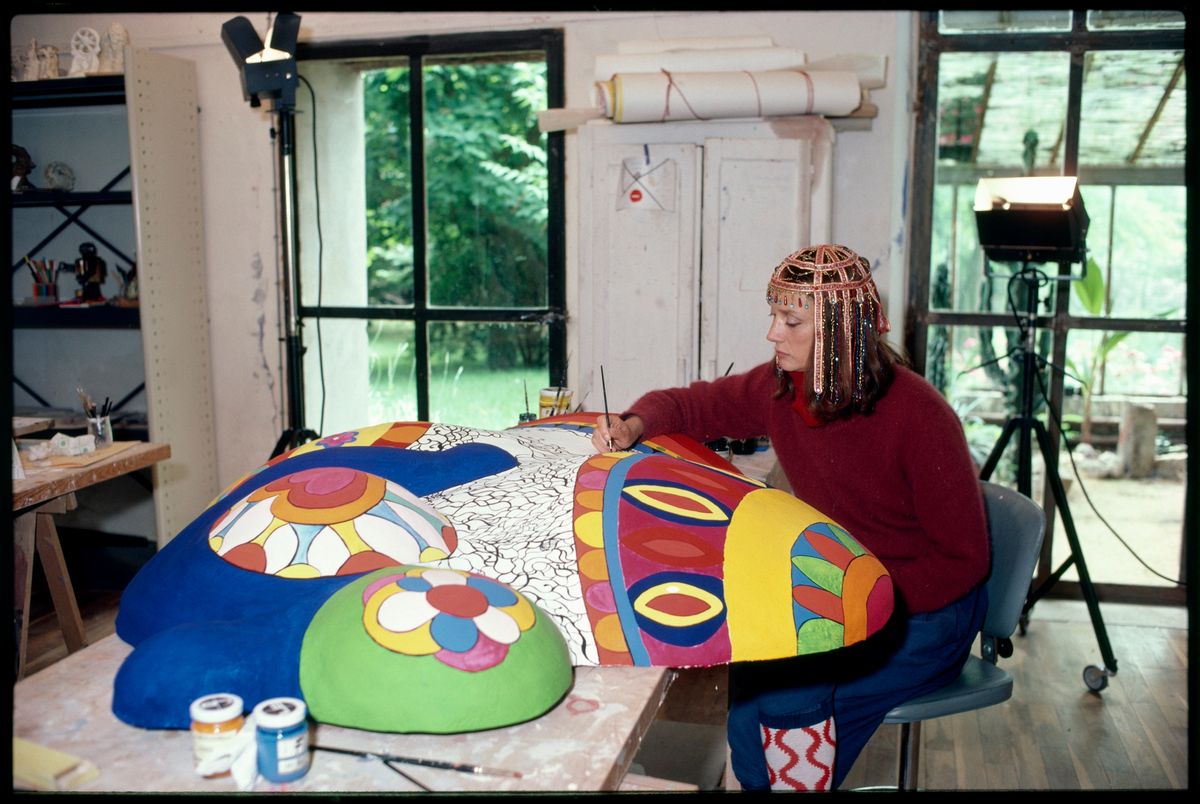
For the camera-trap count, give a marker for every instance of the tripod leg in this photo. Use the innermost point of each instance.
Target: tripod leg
(1096, 678)
(994, 456)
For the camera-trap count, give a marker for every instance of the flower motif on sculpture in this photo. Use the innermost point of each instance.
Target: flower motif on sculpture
(462, 619)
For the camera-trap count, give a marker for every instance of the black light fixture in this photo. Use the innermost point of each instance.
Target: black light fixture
(1031, 219)
(268, 70)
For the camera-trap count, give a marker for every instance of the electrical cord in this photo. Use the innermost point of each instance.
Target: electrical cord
(1021, 328)
(320, 250)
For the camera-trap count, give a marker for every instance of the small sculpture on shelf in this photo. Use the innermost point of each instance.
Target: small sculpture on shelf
(90, 273)
(112, 49)
(29, 64)
(59, 176)
(22, 166)
(47, 57)
(129, 287)
(85, 47)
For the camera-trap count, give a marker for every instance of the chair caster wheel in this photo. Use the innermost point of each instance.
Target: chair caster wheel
(1095, 677)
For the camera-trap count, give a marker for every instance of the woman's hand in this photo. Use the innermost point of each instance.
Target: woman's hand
(616, 433)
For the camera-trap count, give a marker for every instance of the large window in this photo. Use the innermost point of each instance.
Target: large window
(1101, 96)
(431, 220)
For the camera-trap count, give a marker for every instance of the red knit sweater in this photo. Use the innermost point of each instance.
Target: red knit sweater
(900, 480)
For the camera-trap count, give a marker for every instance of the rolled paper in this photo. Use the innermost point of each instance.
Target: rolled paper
(691, 61)
(692, 43)
(870, 68)
(663, 97)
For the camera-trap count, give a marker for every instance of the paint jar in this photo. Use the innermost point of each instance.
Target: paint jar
(282, 737)
(216, 720)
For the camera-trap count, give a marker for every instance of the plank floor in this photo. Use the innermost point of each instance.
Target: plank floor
(1052, 735)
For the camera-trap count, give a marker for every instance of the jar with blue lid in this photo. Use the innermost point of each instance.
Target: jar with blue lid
(282, 736)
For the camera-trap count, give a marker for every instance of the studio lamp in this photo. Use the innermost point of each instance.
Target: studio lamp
(1031, 219)
(269, 72)
(1038, 219)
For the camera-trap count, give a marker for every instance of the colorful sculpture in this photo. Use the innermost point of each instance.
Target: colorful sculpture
(463, 572)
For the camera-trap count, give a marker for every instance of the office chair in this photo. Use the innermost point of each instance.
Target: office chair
(1016, 525)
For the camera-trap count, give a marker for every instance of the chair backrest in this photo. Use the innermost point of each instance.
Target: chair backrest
(1016, 525)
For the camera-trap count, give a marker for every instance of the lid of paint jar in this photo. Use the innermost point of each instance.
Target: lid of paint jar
(216, 708)
(280, 713)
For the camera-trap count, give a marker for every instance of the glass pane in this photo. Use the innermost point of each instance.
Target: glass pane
(1133, 110)
(487, 187)
(972, 22)
(977, 373)
(362, 252)
(359, 372)
(1134, 20)
(1137, 241)
(389, 186)
(480, 373)
(393, 376)
(1126, 424)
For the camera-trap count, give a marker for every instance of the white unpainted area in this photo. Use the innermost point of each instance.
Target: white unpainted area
(239, 183)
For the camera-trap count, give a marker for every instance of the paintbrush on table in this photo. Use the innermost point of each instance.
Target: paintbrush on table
(461, 767)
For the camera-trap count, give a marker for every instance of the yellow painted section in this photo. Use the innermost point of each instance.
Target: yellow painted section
(590, 529)
(298, 571)
(417, 642)
(711, 602)
(758, 573)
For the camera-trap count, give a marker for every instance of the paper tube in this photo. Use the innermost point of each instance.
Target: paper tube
(644, 98)
(694, 61)
(691, 43)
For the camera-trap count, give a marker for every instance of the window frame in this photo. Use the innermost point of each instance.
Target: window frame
(553, 314)
(919, 318)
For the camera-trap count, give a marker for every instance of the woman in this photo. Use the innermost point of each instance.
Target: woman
(869, 443)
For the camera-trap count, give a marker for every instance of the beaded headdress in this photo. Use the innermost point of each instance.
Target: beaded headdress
(846, 305)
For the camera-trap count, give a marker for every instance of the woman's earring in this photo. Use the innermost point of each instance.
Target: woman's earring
(778, 370)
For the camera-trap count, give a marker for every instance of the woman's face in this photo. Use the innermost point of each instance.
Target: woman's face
(793, 335)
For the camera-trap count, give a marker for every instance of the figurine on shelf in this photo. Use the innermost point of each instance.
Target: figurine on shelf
(129, 286)
(85, 47)
(22, 166)
(90, 273)
(112, 49)
(47, 57)
(30, 69)
(59, 176)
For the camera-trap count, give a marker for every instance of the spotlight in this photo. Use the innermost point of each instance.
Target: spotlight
(268, 70)
(1031, 219)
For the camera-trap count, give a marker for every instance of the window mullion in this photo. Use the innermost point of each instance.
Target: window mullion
(416, 130)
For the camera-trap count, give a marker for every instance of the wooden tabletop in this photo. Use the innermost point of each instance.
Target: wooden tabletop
(42, 483)
(585, 743)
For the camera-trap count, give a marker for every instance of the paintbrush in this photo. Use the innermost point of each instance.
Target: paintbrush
(461, 767)
(604, 391)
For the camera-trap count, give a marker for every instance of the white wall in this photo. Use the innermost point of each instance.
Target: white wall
(870, 170)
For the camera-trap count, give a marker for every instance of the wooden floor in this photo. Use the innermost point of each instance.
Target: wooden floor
(1052, 735)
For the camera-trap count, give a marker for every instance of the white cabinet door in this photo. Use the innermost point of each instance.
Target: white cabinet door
(757, 204)
(672, 283)
(639, 271)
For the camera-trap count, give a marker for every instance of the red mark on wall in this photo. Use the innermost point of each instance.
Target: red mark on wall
(579, 706)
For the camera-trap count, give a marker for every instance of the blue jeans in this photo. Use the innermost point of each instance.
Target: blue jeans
(857, 686)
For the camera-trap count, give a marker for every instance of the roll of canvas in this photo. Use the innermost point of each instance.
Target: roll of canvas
(692, 43)
(693, 61)
(658, 97)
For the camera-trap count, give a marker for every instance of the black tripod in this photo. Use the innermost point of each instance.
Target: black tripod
(295, 433)
(1026, 423)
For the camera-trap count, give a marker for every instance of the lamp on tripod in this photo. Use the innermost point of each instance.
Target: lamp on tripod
(1033, 220)
(268, 72)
